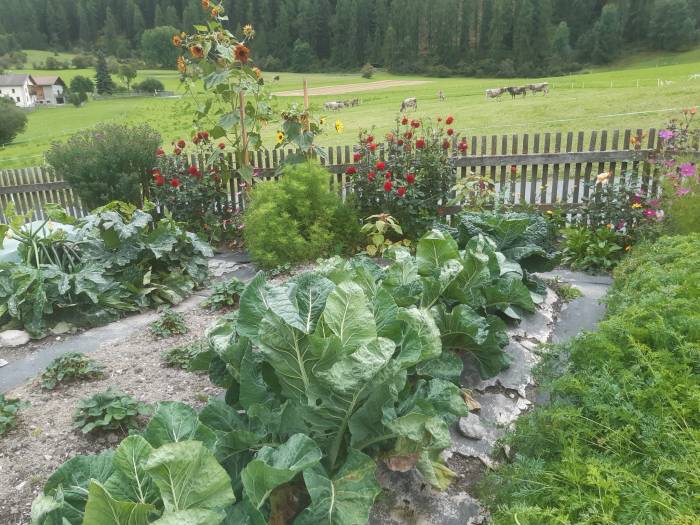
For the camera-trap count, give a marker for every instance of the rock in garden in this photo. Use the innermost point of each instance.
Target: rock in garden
(3, 362)
(470, 426)
(14, 338)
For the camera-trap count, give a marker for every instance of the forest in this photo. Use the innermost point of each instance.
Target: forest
(437, 37)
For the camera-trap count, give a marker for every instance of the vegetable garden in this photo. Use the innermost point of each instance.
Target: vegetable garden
(347, 353)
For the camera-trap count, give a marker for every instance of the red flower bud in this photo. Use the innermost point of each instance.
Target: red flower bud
(410, 178)
(175, 183)
(408, 135)
(450, 131)
(177, 151)
(222, 145)
(373, 146)
(381, 165)
(463, 146)
(445, 144)
(404, 121)
(449, 120)
(371, 175)
(400, 142)
(439, 119)
(420, 144)
(370, 139)
(160, 152)
(181, 144)
(387, 186)
(401, 191)
(415, 124)
(357, 156)
(351, 170)
(387, 175)
(159, 180)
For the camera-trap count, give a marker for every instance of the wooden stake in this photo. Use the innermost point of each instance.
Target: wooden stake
(244, 133)
(306, 105)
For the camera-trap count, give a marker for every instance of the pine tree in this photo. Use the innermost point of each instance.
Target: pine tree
(103, 81)
(607, 35)
(672, 25)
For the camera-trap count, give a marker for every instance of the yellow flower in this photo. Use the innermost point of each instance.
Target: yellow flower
(181, 65)
(636, 205)
(257, 72)
(280, 137)
(339, 126)
(610, 226)
(550, 212)
(177, 41)
(248, 31)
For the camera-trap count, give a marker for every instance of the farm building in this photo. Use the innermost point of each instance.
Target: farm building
(49, 90)
(20, 88)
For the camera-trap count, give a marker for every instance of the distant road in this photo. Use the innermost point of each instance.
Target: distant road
(352, 88)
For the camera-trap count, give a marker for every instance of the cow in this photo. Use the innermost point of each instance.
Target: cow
(696, 76)
(539, 88)
(495, 92)
(441, 96)
(334, 106)
(517, 90)
(409, 103)
(355, 102)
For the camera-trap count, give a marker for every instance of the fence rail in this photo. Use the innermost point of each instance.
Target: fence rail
(551, 168)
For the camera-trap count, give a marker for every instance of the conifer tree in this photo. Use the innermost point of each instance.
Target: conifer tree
(103, 81)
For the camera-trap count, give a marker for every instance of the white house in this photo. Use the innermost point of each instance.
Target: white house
(19, 88)
(49, 90)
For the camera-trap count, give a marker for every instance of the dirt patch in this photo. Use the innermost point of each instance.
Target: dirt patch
(352, 88)
(469, 472)
(44, 439)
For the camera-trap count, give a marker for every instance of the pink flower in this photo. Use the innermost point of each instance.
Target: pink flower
(682, 191)
(649, 213)
(687, 169)
(666, 134)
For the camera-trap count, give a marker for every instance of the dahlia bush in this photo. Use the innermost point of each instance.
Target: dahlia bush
(409, 175)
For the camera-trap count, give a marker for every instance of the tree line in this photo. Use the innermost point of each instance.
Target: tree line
(468, 37)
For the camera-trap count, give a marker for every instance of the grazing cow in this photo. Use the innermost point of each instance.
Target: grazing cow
(334, 106)
(663, 83)
(441, 95)
(517, 90)
(495, 92)
(539, 88)
(355, 102)
(409, 103)
(696, 76)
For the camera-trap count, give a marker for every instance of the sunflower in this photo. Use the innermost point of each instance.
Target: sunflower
(177, 41)
(339, 126)
(280, 137)
(181, 65)
(241, 53)
(197, 51)
(257, 72)
(248, 31)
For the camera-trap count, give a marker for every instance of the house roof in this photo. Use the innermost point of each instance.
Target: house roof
(49, 81)
(15, 80)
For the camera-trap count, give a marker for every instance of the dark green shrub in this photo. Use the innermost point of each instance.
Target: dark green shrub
(297, 218)
(69, 367)
(149, 85)
(186, 356)
(615, 444)
(107, 163)
(224, 294)
(13, 122)
(592, 250)
(367, 71)
(109, 410)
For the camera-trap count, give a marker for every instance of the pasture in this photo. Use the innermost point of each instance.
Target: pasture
(626, 96)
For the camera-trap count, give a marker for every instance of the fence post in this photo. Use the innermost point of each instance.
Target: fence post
(244, 133)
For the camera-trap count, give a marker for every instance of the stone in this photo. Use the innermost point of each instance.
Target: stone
(3, 362)
(470, 426)
(501, 410)
(13, 338)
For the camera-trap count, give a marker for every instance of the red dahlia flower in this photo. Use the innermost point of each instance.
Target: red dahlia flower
(373, 146)
(160, 152)
(159, 180)
(371, 175)
(222, 145)
(387, 186)
(401, 191)
(357, 156)
(404, 121)
(450, 131)
(415, 124)
(175, 183)
(381, 165)
(463, 147)
(410, 178)
(351, 170)
(181, 144)
(408, 135)
(420, 144)
(370, 139)
(387, 175)
(449, 120)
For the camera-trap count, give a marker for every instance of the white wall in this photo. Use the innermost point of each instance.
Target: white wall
(20, 94)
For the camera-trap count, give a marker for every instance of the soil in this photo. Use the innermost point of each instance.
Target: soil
(352, 88)
(44, 439)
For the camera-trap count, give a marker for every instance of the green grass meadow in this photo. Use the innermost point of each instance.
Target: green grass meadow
(625, 96)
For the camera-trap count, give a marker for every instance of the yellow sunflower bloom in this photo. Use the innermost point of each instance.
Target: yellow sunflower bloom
(280, 137)
(248, 31)
(339, 126)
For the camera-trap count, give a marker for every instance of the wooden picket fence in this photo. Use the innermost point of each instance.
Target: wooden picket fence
(550, 169)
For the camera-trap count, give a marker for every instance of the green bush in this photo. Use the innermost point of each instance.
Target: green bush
(69, 367)
(615, 444)
(13, 121)
(149, 85)
(592, 250)
(107, 163)
(8, 412)
(297, 219)
(168, 324)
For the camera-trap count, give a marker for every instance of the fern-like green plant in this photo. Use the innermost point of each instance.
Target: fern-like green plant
(168, 324)
(109, 410)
